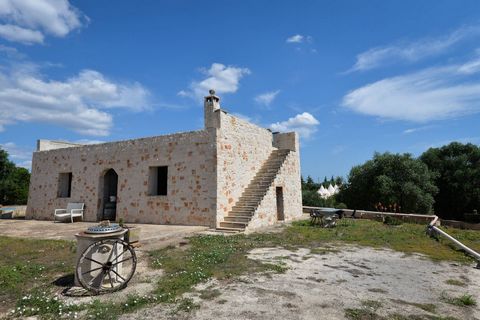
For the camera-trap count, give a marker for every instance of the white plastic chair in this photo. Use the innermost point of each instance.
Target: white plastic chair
(74, 209)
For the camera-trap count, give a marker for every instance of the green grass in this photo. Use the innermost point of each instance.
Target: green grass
(371, 304)
(465, 300)
(210, 294)
(456, 282)
(206, 257)
(366, 314)
(398, 316)
(407, 238)
(186, 305)
(28, 267)
(361, 314)
(429, 307)
(392, 221)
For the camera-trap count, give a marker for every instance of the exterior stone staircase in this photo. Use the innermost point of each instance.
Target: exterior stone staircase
(241, 214)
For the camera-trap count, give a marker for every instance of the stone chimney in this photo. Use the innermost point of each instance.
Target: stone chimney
(211, 104)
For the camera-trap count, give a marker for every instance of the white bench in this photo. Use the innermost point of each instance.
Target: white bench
(74, 209)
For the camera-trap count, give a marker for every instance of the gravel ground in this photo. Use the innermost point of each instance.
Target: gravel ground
(322, 285)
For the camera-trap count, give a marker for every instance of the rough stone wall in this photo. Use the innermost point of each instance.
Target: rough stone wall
(242, 148)
(289, 179)
(191, 161)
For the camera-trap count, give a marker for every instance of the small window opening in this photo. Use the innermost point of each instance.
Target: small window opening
(65, 185)
(158, 181)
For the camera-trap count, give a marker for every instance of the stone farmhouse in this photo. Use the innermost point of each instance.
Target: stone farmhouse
(231, 175)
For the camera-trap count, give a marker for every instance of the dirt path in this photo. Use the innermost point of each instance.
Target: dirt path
(322, 284)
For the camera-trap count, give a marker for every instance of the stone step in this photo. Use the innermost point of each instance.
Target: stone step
(261, 183)
(263, 178)
(259, 194)
(255, 200)
(266, 169)
(265, 175)
(242, 212)
(245, 207)
(258, 186)
(257, 197)
(251, 197)
(240, 215)
(272, 171)
(236, 225)
(237, 219)
(273, 164)
(242, 204)
(247, 203)
(229, 230)
(256, 191)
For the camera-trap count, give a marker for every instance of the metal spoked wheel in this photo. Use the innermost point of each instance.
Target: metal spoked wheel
(106, 266)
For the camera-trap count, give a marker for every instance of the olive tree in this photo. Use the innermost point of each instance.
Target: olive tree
(397, 180)
(457, 168)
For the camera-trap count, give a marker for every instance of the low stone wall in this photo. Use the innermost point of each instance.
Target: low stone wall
(374, 215)
(461, 224)
(406, 217)
(18, 212)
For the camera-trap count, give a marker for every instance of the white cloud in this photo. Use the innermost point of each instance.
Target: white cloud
(77, 103)
(28, 21)
(298, 38)
(16, 152)
(304, 124)
(412, 51)
(431, 94)
(224, 79)
(413, 130)
(27, 164)
(21, 156)
(338, 150)
(11, 53)
(266, 98)
(88, 141)
(19, 34)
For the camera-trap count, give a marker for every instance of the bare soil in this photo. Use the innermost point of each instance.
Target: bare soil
(325, 284)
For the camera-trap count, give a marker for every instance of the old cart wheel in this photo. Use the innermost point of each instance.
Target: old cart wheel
(106, 266)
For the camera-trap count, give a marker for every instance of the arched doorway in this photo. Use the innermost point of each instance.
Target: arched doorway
(109, 195)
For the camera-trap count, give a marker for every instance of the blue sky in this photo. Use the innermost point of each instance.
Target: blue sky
(352, 77)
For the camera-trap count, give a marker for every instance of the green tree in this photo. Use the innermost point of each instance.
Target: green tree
(309, 184)
(390, 179)
(339, 181)
(457, 167)
(14, 181)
